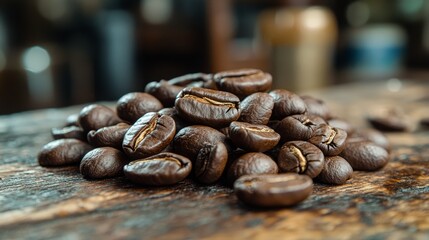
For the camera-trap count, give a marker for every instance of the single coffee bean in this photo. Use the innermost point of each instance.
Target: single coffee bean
(298, 127)
(249, 164)
(132, 106)
(365, 156)
(340, 123)
(158, 170)
(330, 140)
(149, 135)
(273, 190)
(300, 157)
(389, 123)
(286, 104)
(336, 171)
(316, 107)
(111, 136)
(72, 120)
(243, 82)
(104, 162)
(209, 107)
(202, 80)
(210, 163)
(256, 108)
(69, 132)
(63, 152)
(371, 135)
(191, 139)
(172, 112)
(96, 116)
(164, 92)
(253, 137)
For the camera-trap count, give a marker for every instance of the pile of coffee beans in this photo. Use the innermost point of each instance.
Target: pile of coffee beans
(225, 128)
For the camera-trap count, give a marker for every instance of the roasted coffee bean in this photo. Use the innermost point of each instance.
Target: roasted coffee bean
(96, 116)
(339, 123)
(336, 171)
(209, 107)
(210, 162)
(286, 104)
(191, 139)
(202, 80)
(69, 132)
(164, 92)
(330, 140)
(104, 162)
(256, 108)
(149, 135)
(298, 127)
(158, 170)
(365, 156)
(249, 164)
(371, 135)
(63, 152)
(133, 106)
(316, 107)
(252, 137)
(273, 190)
(172, 112)
(300, 157)
(389, 123)
(72, 120)
(243, 82)
(111, 136)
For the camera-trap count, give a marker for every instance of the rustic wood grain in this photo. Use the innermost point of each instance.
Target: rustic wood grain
(44, 203)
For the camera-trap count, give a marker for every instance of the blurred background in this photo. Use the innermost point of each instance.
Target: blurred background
(56, 53)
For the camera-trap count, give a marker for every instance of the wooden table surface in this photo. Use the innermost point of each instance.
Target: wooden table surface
(44, 203)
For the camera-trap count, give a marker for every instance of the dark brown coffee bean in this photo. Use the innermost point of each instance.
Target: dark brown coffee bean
(365, 156)
(164, 92)
(273, 190)
(300, 157)
(210, 163)
(63, 152)
(330, 140)
(149, 135)
(317, 107)
(389, 123)
(172, 112)
(256, 108)
(133, 106)
(69, 132)
(158, 170)
(339, 123)
(202, 80)
(111, 136)
(250, 164)
(104, 162)
(252, 137)
(72, 120)
(286, 104)
(209, 107)
(298, 127)
(191, 139)
(371, 135)
(243, 82)
(96, 116)
(336, 171)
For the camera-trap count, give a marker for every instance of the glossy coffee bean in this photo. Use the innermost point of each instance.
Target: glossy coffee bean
(149, 135)
(256, 108)
(133, 106)
(104, 162)
(300, 157)
(243, 82)
(298, 127)
(365, 156)
(388, 123)
(158, 170)
(210, 163)
(111, 136)
(172, 112)
(316, 107)
(69, 132)
(253, 137)
(63, 152)
(286, 104)
(371, 135)
(191, 139)
(340, 123)
(336, 171)
(164, 92)
(250, 164)
(208, 107)
(202, 80)
(330, 140)
(96, 116)
(273, 190)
